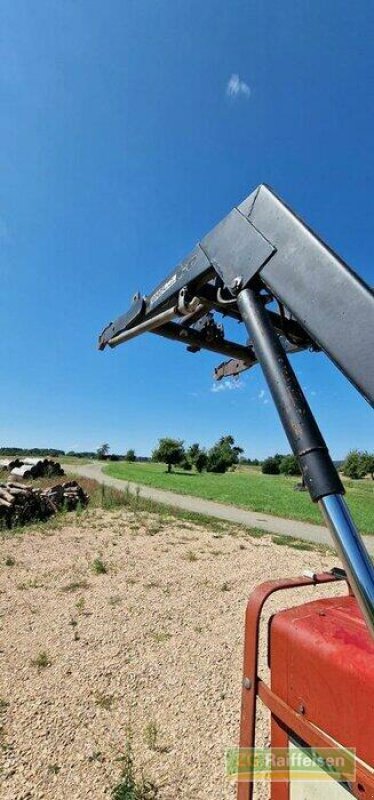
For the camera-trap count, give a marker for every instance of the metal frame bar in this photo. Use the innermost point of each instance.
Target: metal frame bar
(285, 720)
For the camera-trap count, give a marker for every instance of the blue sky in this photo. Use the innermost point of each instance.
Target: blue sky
(120, 146)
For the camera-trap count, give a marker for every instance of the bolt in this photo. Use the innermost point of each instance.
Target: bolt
(247, 683)
(236, 284)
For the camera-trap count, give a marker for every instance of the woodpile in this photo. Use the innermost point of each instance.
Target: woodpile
(21, 504)
(32, 467)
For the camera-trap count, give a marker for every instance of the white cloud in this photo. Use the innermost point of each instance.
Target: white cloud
(227, 385)
(263, 397)
(235, 87)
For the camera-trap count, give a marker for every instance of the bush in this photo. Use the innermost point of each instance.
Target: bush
(270, 466)
(289, 466)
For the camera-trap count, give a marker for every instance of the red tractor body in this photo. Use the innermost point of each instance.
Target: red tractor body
(321, 693)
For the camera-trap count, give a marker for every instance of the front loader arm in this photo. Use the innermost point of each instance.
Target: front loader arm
(261, 243)
(262, 266)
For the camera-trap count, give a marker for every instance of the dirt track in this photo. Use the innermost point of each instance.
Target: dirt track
(318, 534)
(157, 638)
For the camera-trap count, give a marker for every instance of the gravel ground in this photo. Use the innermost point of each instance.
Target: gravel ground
(155, 643)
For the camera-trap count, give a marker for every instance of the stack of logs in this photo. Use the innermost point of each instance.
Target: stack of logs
(32, 467)
(20, 504)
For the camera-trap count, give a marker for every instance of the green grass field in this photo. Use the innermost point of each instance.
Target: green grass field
(250, 489)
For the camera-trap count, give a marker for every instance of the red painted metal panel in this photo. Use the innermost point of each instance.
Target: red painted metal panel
(322, 666)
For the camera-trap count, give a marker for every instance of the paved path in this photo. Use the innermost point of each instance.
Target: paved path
(317, 534)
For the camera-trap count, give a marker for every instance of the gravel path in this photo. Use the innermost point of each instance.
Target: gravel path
(155, 639)
(318, 534)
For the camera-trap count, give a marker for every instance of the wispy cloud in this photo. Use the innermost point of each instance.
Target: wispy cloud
(236, 87)
(263, 397)
(227, 385)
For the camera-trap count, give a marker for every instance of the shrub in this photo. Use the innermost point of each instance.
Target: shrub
(289, 466)
(270, 466)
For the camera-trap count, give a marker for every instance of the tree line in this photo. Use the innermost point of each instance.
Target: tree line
(356, 465)
(219, 458)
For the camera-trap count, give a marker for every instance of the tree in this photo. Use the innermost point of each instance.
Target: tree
(289, 466)
(169, 451)
(197, 457)
(369, 464)
(355, 465)
(102, 451)
(224, 454)
(130, 455)
(270, 466)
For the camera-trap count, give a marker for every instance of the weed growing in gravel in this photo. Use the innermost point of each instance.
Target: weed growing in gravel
(104, 701)
(161, 636)
(53, 769)
(10, 561)
(33, 583)
(74, 586)
(115, 600)
(96, 756)
(191, 556)
(151, 735)
(298, 544)
(130, 787)
(225, 587)
(98, 567)
(42, 660)
(80, 604)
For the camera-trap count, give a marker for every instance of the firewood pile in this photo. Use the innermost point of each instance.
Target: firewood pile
(21, 504)
(32, 467)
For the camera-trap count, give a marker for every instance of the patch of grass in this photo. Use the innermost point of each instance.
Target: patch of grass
(75, 586)
(96, 756)
(10, 561)
(80, 604)
(42, 660)
(104, 701)
(130, 786)
(299, 544)
(151, 735)
(98, 567)
(32, 583)
(115, 600)
(161, 636)
(53, 769)
(191, 556)
(269, 494)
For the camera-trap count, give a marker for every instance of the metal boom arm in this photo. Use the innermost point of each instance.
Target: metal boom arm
(262, 254)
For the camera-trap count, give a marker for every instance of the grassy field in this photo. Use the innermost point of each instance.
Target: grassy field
(250, 489)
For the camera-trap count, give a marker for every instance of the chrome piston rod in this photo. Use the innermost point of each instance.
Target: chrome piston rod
(353, 553)
(307, 443)
(186, 312)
